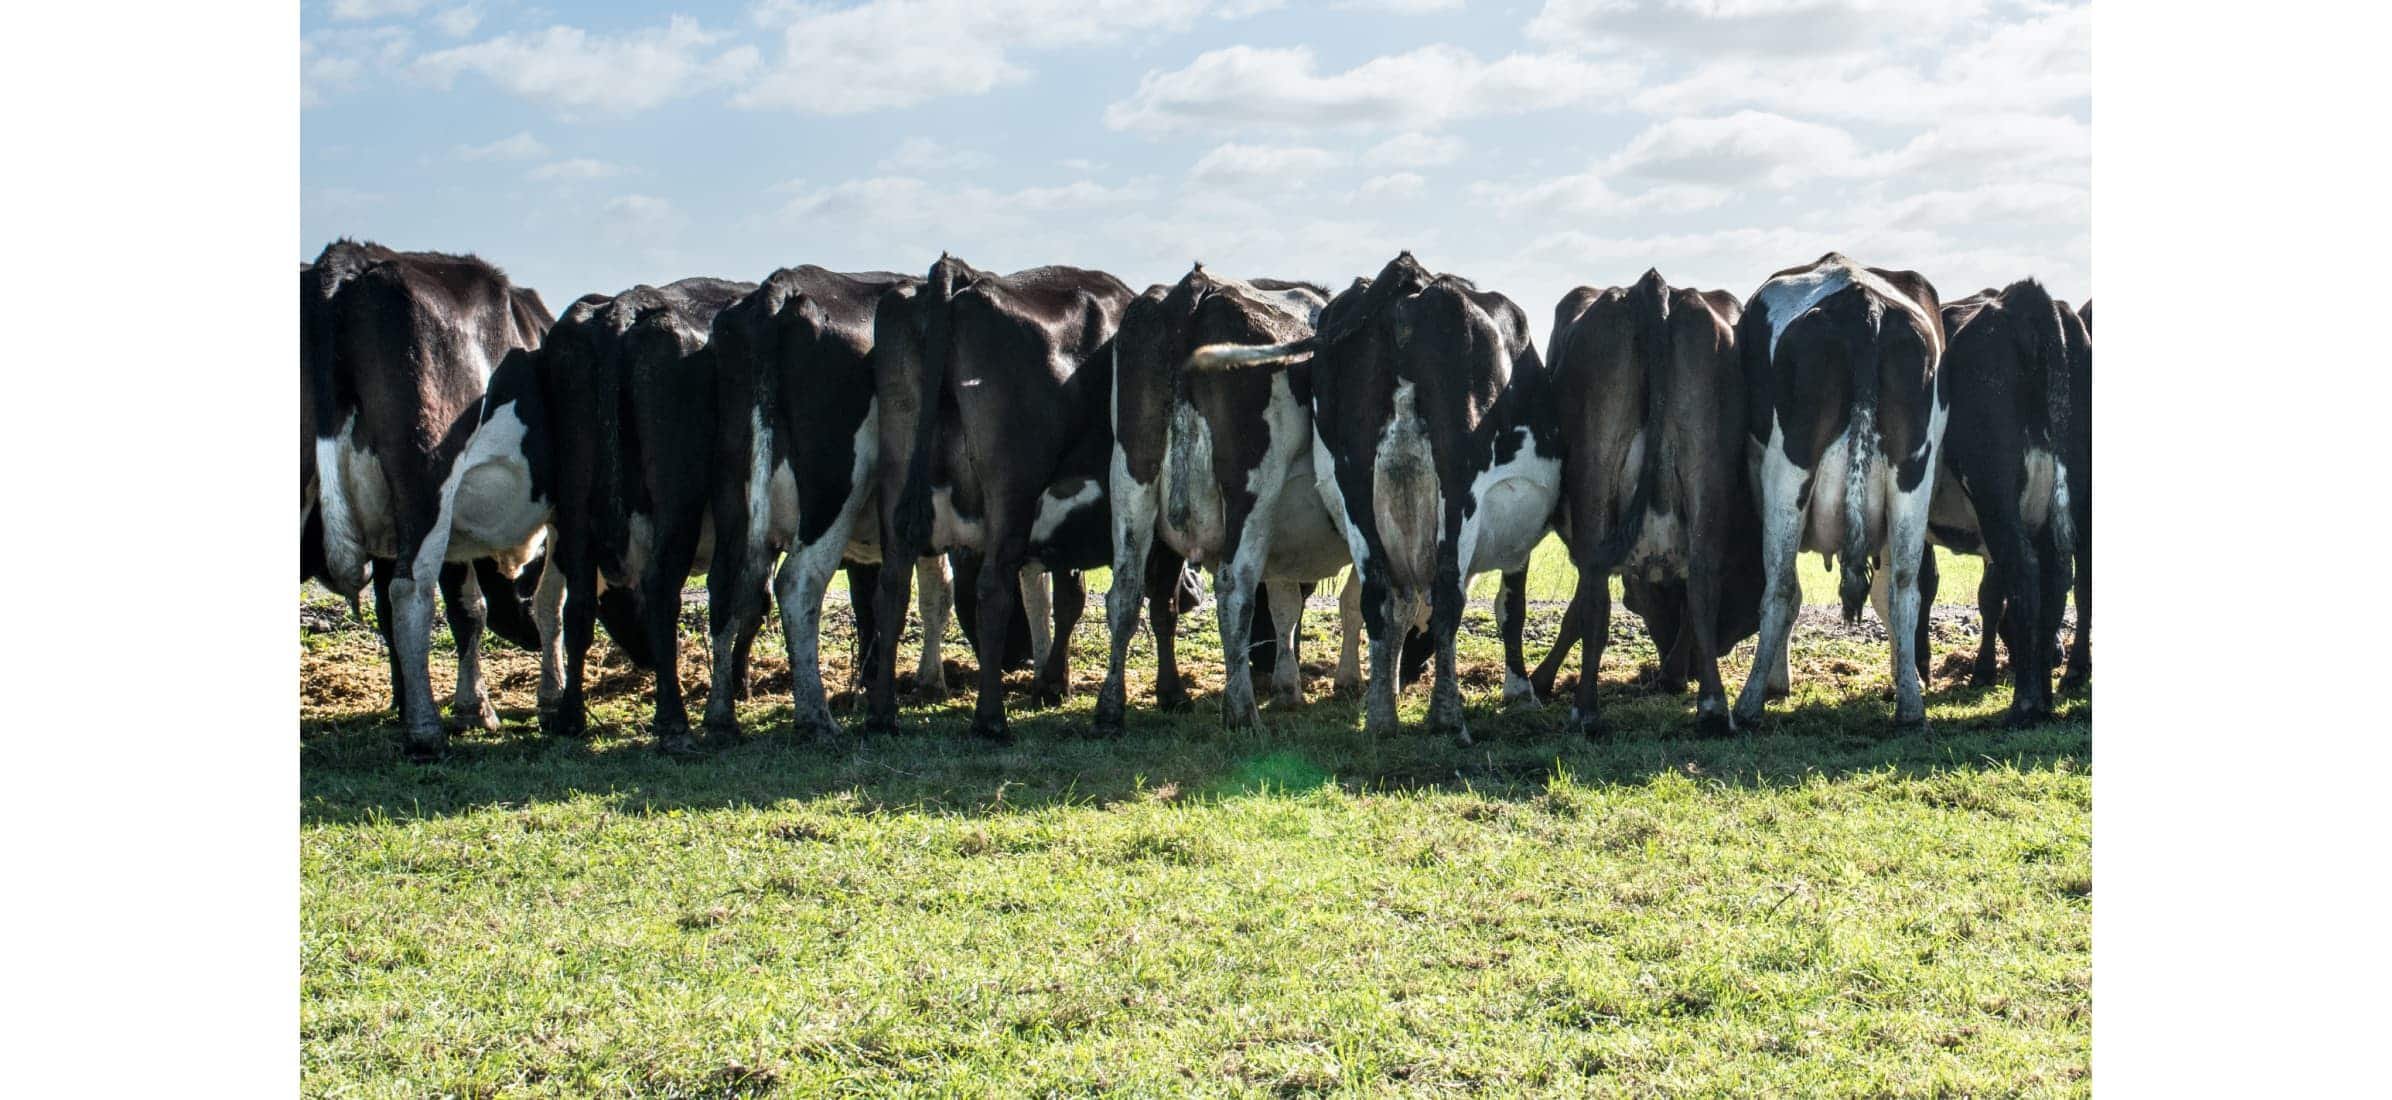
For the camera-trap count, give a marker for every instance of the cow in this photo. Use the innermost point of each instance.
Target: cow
(2013, 461)
(1845, 414)
(2085, 313)
(797, 459)
(629, 386)
(396, 350)
(1651, 403)
(1216, 469)
(1435, 451)
(994, 393)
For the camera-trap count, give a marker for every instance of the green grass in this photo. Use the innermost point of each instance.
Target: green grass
(1812, 908)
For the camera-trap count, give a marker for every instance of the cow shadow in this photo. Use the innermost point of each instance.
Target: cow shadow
(351, 768)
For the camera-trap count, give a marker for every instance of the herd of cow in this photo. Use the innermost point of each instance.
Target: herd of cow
(1015, 430)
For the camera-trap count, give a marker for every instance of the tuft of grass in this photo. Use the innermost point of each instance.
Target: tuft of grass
(1813, 907)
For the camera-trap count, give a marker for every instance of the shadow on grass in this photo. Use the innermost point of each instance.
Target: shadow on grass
(351, 768)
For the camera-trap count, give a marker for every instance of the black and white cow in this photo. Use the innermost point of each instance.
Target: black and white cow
(396, 349)
(630, 409)
(1651, 403)
(1846, 415)
(798, 457)
(1435, 451)
(994, 400)
(1216, 468)
(2011, 463)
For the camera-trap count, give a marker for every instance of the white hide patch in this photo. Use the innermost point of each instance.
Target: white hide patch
(496, 514)
(949, 530)
(1054, 511)
(1514, 501)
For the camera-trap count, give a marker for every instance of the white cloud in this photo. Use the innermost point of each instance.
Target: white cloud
(1414, 149)
(2041, 64)
(921, 156)
(1587, 194)
(360, 10)
(336, 60)
(1234, 165)
(896, 53)
(645, 221)
(523, 146)
(1778, 28)
(578, 168)
(1420, 89)
(574, 71)
(1400, 7)
(1394, 185)
(2007, 206)
(965, 218)
(459, 21)
(1743, 149)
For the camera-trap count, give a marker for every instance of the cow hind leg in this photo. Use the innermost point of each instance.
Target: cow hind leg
(936, 597)
(1287, 615)
(548, 614)
(1781, 597)
(999, 589)
(1700, 637)
(461, 598)
(1593, 602)
(1038, 607)
(411, 633)
(1133, 539)
(1567, 640)
(383, 612)
(1511, 621)
(1445, 621)
(1349, 636)
(1989, 618)
(862, 577)
(1384, 622)
(1233, 605)
(1053, 684)
(798, 587)
(2080, 651)
(1163, 577)
(1905, 545)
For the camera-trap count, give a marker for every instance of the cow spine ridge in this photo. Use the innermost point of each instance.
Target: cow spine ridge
(1860, 442)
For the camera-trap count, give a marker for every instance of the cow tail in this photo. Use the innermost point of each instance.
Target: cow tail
(1648, 303)
(1860, 452)
(912, 516)
(2050, 357)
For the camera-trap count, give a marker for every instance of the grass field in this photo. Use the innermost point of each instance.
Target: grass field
(1812, 908)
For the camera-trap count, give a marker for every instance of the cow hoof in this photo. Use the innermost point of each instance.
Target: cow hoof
(1590, 726)
(1174, 701)
(2020, 717)
(1461, 737)
(1517, 690)
(467, 714)
(725, 733)
(1346, 690)
(930, 692)
(876, 725)
(1911, 724)
(1713, 724)
(427, 750)
(995, 732)
(679, 745)
(1048, 695)
(1106, 730)
(1542, 685)
(1981, 677)
(2074, 682)
(565, 723)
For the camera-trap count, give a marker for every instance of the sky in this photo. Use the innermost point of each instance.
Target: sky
(1532, 147)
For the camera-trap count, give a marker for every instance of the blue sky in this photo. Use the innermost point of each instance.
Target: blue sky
(1532, 146)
